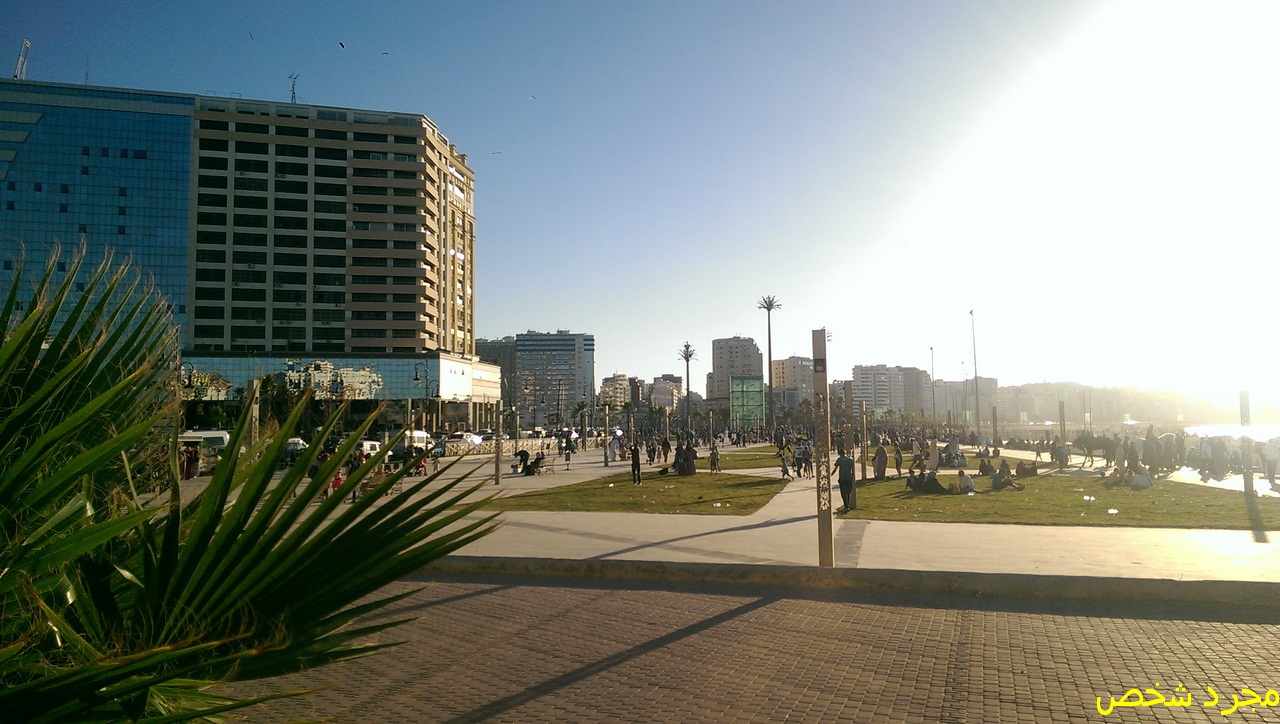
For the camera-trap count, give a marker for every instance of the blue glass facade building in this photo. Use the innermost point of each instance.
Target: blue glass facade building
(107, 167)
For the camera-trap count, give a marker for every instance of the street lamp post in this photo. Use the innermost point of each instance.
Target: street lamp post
(933, 387)
(977, 401)
(768, 304)
(687, 354)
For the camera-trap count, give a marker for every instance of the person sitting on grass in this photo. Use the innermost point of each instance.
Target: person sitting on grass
(985, 467)
(926, 483)
(1115, 478)
(965, 483)
(1002, 478)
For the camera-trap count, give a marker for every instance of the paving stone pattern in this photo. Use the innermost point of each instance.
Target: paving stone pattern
(539, 650)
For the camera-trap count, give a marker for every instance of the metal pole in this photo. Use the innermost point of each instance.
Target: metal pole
(862, 411)
(977, 401)
(933, 387)
(608, 440)
(822, 449)
(497, 448)
(1246, 457)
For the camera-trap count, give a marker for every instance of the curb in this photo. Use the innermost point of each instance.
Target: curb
(1234, 594)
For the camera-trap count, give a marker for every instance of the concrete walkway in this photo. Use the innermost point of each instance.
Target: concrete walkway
(1079, 562)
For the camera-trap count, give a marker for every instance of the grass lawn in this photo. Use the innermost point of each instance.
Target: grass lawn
(1059, 500)
(744, 459)
(701, 494)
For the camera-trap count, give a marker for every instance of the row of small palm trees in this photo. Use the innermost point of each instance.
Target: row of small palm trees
(124, 596)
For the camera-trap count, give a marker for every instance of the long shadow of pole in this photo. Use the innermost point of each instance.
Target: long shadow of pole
(1256, 524)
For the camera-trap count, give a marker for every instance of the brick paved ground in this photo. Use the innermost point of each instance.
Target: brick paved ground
(514, 649)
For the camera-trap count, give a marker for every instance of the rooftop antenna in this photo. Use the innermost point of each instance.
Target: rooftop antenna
(20, 71)
(293, 88)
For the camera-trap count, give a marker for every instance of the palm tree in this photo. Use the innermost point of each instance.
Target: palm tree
(580, 410)
(686, 353)
(120, 599)
(768, 304)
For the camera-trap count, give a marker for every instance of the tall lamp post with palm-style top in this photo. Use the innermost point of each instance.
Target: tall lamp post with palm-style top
(768, 304)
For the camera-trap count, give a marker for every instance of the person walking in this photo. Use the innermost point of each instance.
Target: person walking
(843, 468)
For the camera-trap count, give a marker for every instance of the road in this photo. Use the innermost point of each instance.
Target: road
(528, 649)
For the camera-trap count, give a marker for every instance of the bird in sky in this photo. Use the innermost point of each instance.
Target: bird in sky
(533, 98)
(342, 44)
(385, 53)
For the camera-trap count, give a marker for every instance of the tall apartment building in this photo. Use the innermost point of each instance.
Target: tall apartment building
(904, 390)
(792, 380)
(284, 235)
(555, 371)
(730, 357)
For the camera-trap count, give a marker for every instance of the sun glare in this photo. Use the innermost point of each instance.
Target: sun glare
(1120, 196)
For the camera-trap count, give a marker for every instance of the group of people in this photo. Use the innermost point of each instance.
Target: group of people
(797, 455)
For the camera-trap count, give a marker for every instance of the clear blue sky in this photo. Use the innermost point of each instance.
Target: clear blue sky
(1095, 180)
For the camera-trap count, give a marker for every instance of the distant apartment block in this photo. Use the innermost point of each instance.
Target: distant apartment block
(732, 356)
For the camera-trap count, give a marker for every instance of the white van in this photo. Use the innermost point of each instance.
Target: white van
(414, 439)
(369, 447)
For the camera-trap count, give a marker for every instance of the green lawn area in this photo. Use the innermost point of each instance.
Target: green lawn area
(743, 460)
(1059, 500)
(701, 494)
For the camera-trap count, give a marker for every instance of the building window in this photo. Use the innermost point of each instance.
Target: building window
(213, 144)
(8, 205)
(253, 147)
(250, 165)
(212, 163)
(323, 189)
(291, 205)
(62, 208)
(38, 187)
(120, 231)
(123, 191)
(120, 211)
(289, 167)
(332, 262)
(331, 207)
(331, 171)
(213, 182)
(249, 238)
(330, 134)
(84, 150)
(139, 154)
(250, 202)
(83, 228)
(250, 184)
